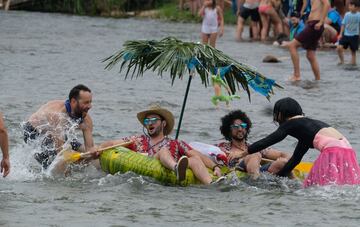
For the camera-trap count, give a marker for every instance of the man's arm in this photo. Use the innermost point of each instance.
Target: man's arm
(4, 144)
(239, 4)
(87, 129)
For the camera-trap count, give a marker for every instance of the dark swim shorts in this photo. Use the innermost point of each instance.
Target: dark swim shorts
(350, 41)
(48, 153)
(48, 150)
(263, 168)
(253, 13)
(309, 37)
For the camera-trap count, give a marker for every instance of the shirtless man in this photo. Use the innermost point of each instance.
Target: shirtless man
(235, 128)
(245, 9)
(4, 146)
(51, 123)
(309, 38)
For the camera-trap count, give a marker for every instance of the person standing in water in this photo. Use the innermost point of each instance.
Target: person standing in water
(213, 22)
(349, 33)
(309, 38)
(53, 120)
(336, 164)
(4, 145)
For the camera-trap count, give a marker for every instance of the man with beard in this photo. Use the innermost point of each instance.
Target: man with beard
(235, 128)
(173, 154)
(51, 124)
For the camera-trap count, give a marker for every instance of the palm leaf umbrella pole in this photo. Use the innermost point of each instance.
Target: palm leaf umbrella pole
(177, 57)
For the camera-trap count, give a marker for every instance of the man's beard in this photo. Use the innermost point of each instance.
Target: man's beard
(239, 137)
(155, 131)
(78, 112)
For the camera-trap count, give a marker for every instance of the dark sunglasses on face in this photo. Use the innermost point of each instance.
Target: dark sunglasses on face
(237, 126)
(150, 121)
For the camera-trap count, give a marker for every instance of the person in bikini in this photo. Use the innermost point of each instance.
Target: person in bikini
(173, 154)
(309, 38)
(246, 9)
(235, 127)
(267, 14)
(51, 123)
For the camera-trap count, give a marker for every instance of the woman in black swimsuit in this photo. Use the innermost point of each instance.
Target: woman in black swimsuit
(336, 164)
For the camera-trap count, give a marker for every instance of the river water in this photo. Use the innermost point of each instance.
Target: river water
(42, 56)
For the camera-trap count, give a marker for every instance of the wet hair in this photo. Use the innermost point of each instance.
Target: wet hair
(228, 120)
(75, 91)
(286, 108)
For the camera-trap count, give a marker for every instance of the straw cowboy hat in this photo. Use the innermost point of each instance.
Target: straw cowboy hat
(164, 113)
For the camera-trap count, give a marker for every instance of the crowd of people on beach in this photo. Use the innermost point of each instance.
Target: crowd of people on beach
(295, 23)
(48, 129)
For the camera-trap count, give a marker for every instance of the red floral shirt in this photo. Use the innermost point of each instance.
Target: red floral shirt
(141, 144)
(226, 147)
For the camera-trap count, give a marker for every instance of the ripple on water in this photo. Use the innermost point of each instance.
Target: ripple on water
(43, 62)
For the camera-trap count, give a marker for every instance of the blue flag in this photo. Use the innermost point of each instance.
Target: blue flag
(192, 63)
(223, 70)
(128, 56)
(260, 84)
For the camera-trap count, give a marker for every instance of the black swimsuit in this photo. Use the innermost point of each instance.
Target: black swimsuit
(48, 154)
(304, 129)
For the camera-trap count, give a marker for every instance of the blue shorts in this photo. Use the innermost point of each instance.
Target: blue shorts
(263, 168)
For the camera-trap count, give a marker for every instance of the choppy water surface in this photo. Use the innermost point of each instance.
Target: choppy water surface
(42, 56)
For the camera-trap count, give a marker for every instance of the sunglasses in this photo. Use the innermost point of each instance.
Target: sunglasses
(150, 121)
(237, 126)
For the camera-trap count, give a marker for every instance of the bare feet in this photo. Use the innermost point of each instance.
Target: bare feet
(239, 39)
(340, 63)
(294, 78)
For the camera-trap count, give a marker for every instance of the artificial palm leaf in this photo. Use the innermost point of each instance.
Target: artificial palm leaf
(178, 57)
(172, 55)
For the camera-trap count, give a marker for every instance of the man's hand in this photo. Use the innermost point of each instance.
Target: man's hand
(217, 171)
(94, 151)
(5, 166)
(235, 155)
(318, 25)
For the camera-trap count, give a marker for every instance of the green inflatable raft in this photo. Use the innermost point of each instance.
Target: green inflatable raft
(121, 159)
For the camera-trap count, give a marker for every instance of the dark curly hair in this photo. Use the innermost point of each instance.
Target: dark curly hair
(228, 120)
